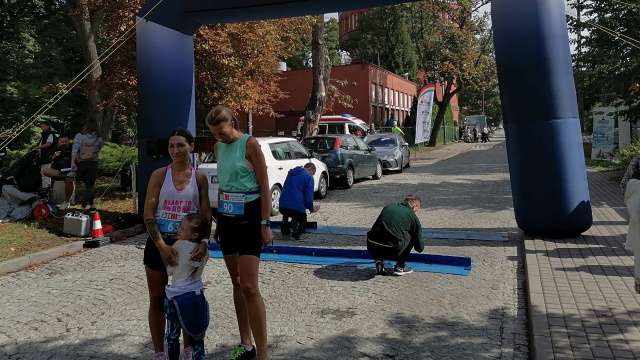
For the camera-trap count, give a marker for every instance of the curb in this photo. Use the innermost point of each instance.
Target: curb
(26, 261)
(540, 346)
(41, 256)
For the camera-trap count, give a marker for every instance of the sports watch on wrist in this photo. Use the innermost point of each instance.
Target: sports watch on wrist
(265, 222)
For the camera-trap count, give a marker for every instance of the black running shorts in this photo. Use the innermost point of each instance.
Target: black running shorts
(242, 235)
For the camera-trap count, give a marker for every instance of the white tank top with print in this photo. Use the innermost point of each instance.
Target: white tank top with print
(174, 204)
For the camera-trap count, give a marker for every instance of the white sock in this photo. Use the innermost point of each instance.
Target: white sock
(247, 347)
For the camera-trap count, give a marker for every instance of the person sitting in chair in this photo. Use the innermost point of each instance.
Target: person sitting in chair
(61, 159)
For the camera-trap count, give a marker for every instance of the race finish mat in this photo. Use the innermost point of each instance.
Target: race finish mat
(443, 264)
(313, 228)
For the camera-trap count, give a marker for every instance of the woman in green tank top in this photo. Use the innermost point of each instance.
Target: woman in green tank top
(243, 228)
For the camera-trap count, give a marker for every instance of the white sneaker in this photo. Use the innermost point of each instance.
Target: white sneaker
(64, 206)
(187, 353)
(159, 356)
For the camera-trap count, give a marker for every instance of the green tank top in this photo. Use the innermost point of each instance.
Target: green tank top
(233, 173)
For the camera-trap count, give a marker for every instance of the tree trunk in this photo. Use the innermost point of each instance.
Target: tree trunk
(321, 71)
(447, 95)
(86, 23)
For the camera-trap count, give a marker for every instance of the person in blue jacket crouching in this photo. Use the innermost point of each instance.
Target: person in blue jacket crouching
(296, 199)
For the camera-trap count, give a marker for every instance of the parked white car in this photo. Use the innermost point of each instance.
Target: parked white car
(281, 155)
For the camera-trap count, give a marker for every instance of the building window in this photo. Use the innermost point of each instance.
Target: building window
(379, 97)
(386, 96)
(395, 97)
(373, 93)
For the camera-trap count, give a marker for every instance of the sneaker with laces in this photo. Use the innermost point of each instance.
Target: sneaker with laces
(187, 353)
(64, 206)
(295, 229)
(240, 353)
(380, 270)
(399, 271)
(159, 356)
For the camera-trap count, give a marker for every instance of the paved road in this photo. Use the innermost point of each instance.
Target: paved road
(93, 305)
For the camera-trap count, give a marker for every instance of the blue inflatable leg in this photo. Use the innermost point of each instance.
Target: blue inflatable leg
(166, 93)
(544, 143)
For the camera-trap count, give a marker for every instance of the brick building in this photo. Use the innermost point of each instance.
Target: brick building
(375, 90)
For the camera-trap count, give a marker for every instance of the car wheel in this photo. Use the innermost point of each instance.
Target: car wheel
(275, 200)
(378, 173)
(350, 178)
(323, 186)
(401, 163)
(409, 161)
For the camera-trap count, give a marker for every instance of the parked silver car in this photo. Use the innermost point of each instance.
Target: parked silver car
(391, 149)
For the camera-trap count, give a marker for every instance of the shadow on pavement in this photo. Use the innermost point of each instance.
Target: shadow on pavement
(344, 273)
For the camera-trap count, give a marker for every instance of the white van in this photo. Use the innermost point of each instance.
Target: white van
(337, 124)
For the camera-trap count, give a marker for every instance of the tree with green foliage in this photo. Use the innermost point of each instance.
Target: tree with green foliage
(301, 57)
(37, 48)
(383, 38)
(446, 36)
(607, 57)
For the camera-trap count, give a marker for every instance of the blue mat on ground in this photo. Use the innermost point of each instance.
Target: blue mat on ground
(444, 264)
(313, 228)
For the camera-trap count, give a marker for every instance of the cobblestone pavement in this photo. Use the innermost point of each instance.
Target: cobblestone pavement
(581, 290)
(93, 305)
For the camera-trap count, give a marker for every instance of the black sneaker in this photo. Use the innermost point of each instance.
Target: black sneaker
(380, 270)
(240, 353)
(295, 229)
(399, 271)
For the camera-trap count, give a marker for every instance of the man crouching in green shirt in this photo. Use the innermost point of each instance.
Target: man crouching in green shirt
(396, 231)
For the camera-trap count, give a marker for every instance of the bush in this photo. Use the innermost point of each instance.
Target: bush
(114, 157)
(623, 157)
(13, 155)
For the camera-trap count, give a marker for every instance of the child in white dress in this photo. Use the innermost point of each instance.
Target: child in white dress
(185, 305)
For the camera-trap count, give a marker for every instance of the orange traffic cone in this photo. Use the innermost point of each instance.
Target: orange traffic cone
(97, 227)
(97, 234)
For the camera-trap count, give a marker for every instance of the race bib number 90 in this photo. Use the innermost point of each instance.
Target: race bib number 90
(231, 204)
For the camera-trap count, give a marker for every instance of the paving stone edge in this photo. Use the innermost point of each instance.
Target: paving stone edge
(24, 262)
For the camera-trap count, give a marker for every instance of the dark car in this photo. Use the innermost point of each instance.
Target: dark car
(347, 157)
(392, 150)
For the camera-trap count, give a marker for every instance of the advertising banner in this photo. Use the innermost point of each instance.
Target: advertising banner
(424, 111)
(602, 140)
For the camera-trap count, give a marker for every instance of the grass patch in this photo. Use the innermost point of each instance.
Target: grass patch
(598, 165)
(28, 236)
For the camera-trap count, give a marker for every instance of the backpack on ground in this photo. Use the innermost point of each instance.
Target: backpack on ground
(88, 151)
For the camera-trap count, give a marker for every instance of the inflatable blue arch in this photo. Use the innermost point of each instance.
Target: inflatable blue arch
(544, 144)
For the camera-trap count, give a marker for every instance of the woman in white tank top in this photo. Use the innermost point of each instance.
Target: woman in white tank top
(172, 193)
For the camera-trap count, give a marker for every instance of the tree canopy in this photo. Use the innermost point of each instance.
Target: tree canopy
(607, 56)
(47, 43)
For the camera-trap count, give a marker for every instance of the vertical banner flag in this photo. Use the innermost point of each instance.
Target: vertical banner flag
(423, 115)
(602, 138)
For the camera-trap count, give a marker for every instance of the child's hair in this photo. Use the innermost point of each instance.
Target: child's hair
(198, 225)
